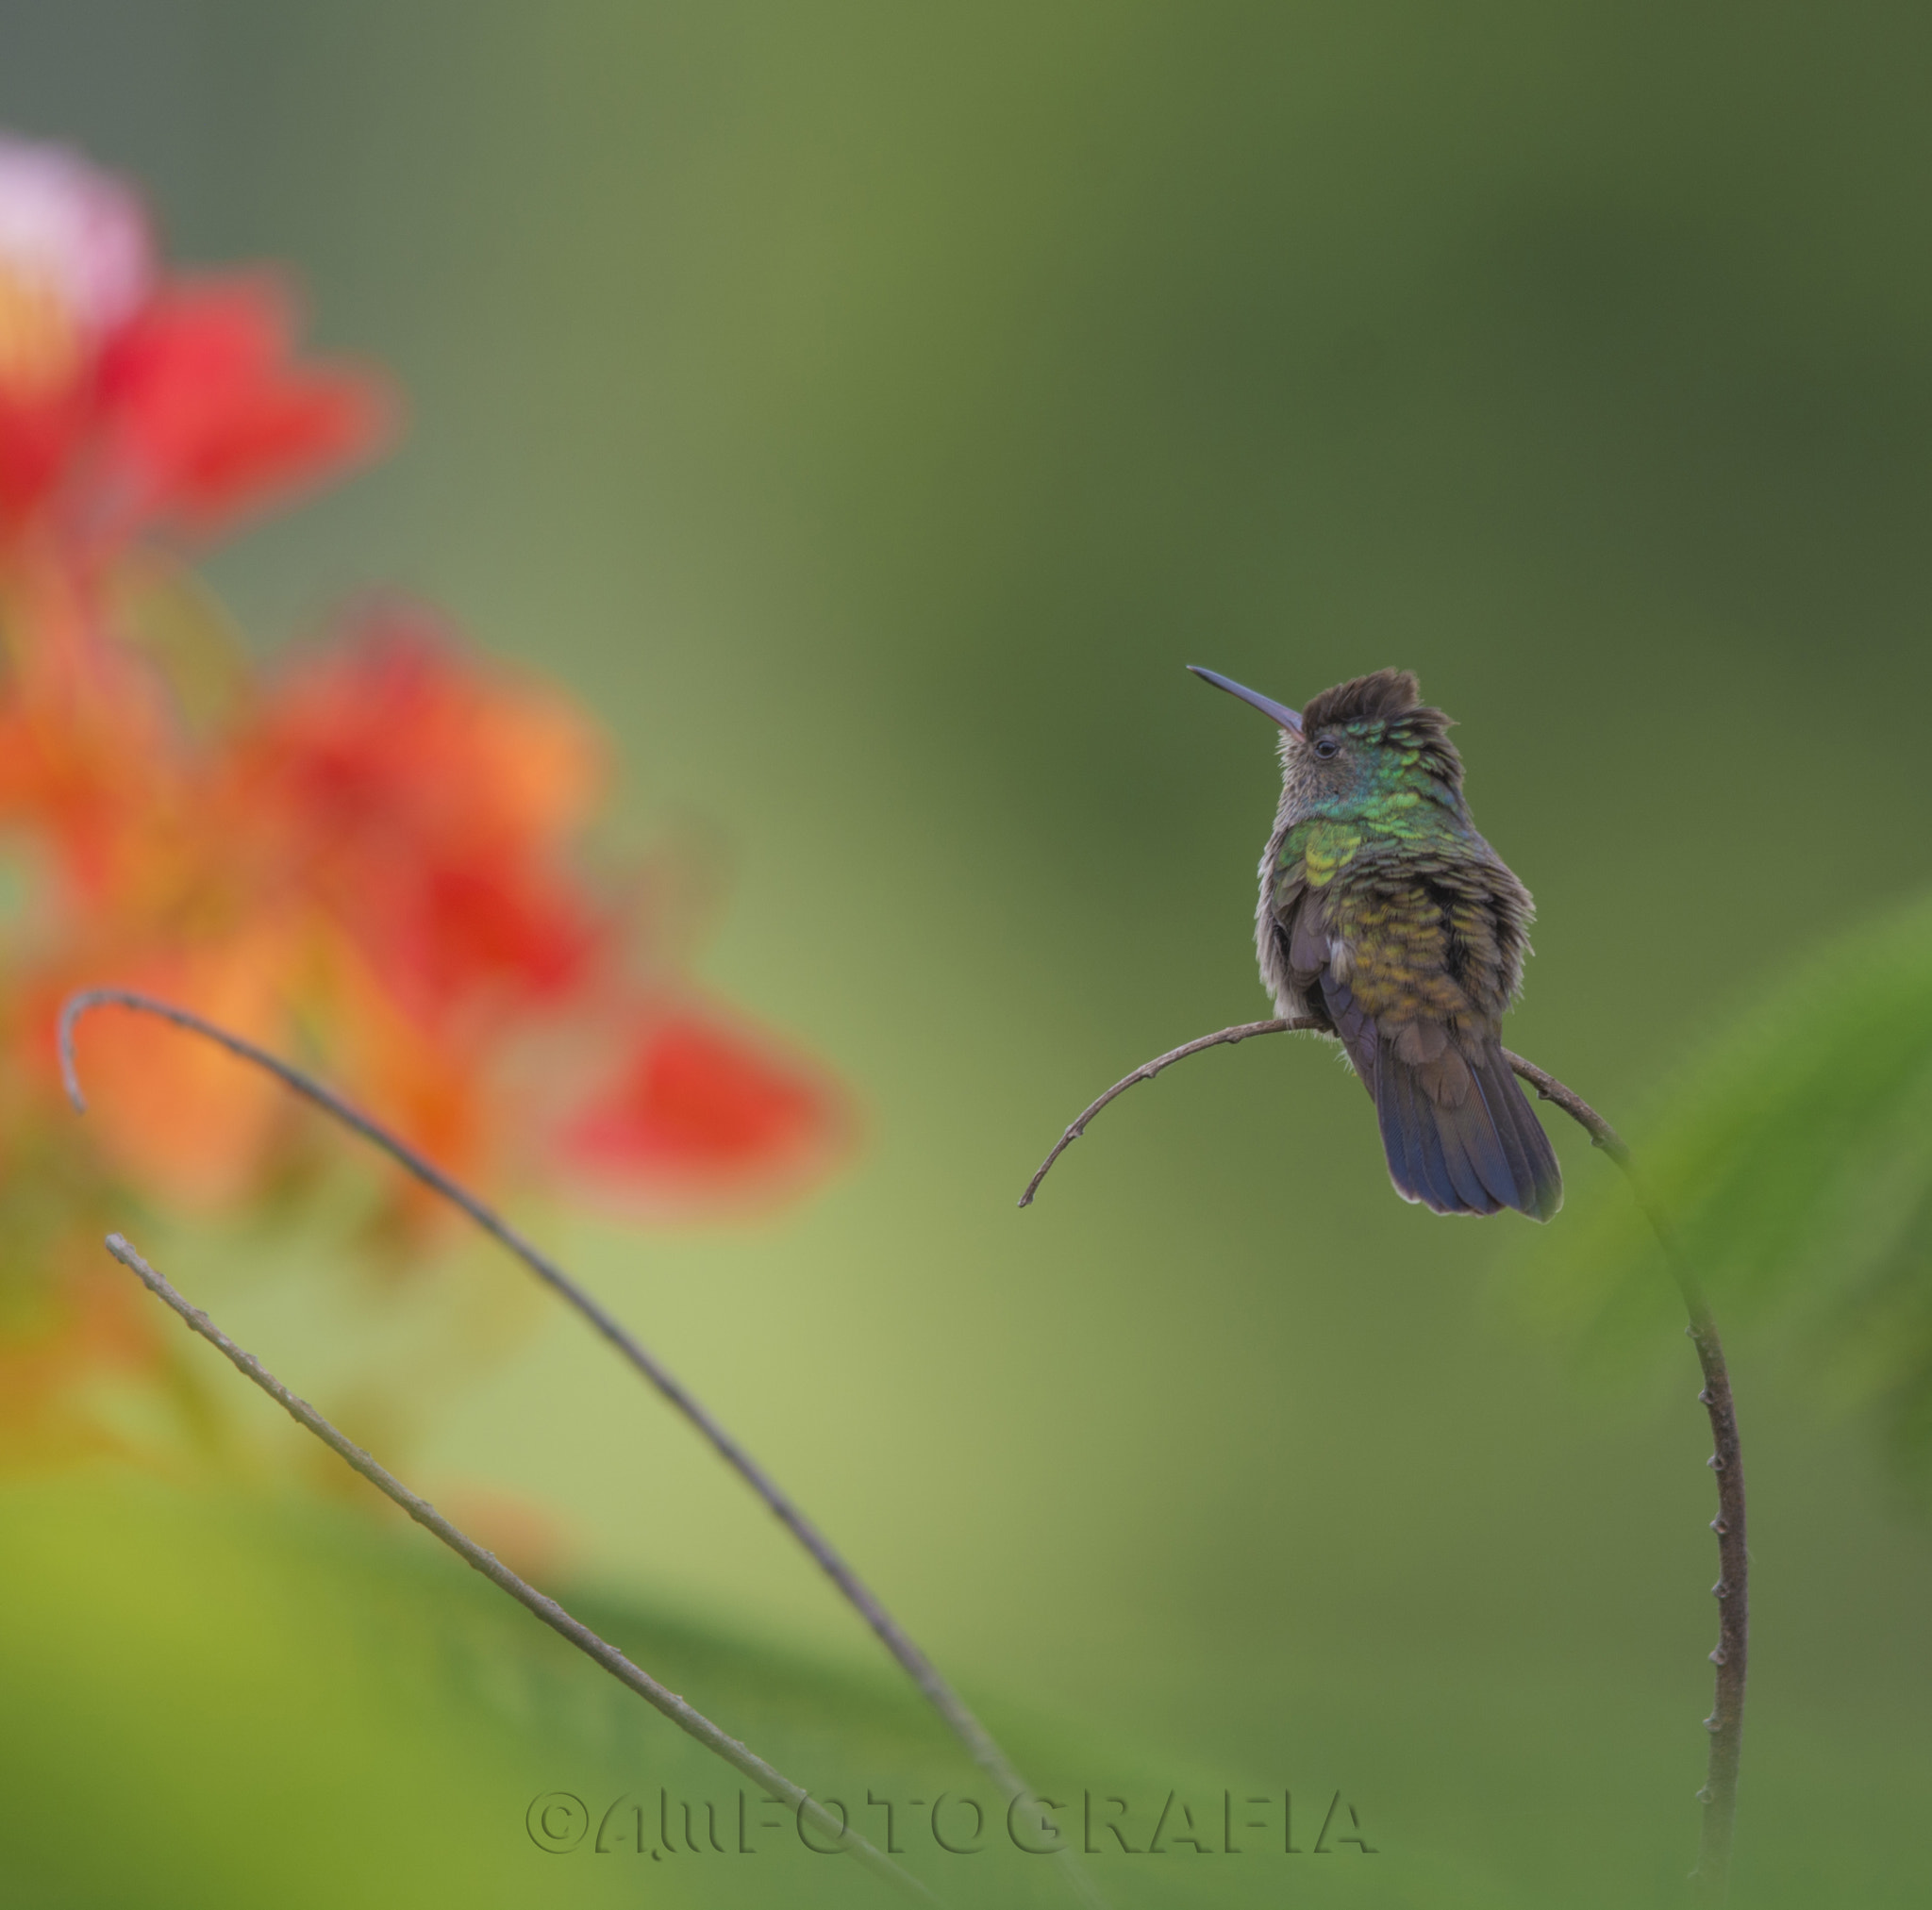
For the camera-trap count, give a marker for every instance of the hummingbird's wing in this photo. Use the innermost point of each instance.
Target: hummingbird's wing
(1414, 961)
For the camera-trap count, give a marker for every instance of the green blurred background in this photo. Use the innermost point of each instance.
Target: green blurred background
(868, 410)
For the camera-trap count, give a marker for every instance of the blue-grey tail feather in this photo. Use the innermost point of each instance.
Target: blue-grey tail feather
(1539, 1175)
(1487, 1152)
(1464, 1152)
(1410, 1136)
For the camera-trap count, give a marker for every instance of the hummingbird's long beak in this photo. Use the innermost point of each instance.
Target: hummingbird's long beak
(1286, 717)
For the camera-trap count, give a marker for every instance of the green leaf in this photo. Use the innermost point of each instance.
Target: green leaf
(216, 1697)
(1791, 1163)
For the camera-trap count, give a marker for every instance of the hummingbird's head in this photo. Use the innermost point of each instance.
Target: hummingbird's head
(1368, 747)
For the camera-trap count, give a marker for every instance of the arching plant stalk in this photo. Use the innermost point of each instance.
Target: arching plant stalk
(1725, 1724)
(661, 1698)
(950, 1707)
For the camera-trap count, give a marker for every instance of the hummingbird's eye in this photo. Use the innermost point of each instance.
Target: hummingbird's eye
(1327, 747)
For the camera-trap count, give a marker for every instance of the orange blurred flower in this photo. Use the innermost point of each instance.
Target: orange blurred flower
(427, 807)
(370, 853)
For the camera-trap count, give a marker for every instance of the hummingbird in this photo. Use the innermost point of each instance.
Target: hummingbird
(1387, 918)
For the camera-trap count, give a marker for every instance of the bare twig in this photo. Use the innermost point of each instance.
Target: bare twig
(1148, 1069)
(688, 1719)
(1732, 1590)
(978, 1741)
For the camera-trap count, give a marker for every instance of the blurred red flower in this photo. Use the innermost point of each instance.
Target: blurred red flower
(127, 399)
(203, 412)
(371, 852)
(698, 1105)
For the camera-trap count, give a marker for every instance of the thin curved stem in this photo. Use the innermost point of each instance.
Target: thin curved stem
(686, 1716)
(1148, 1069)
(950, 1707)
(1732, 1589)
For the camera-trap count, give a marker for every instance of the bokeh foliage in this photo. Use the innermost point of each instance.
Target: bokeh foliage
(1789, 1163)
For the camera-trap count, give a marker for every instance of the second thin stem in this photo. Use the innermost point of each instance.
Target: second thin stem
(959, 1719)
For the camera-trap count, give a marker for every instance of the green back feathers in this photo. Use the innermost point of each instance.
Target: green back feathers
(1318, 849)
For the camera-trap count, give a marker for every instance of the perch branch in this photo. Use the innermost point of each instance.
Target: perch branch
(1725, 1724)
(1732, 1589)
(1148, 1069)
(688, 1719)
(950, 1707)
